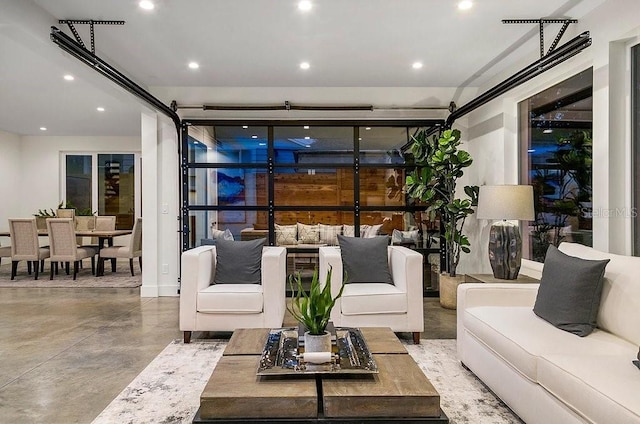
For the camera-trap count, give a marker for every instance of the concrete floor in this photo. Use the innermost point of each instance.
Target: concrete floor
(66, 353)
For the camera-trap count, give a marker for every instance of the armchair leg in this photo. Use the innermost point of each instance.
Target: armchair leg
(416, 337)
(187, 337)
(131, 265)
(36, 267)
(100, 269)
(75, 268)
(14, 269)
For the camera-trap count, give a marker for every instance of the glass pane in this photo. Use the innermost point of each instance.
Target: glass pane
(227, 144)
(384, 144)
(202, 224)
(228, 187)
(382, 187)
(313, 187)
(78, 182)
(635, 134)
(556, 134)
(116, 188)
(327, 217)
(313, 144)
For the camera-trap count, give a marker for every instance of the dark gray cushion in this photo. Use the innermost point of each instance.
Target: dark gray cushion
(365, 260)
(570, 290)
(238, 262)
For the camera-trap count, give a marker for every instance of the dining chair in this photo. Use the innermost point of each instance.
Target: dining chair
(62, 242)
(5, 252)
(25, 245)
(132, 250)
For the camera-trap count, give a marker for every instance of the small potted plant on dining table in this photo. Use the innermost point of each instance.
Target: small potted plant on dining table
(313, 310)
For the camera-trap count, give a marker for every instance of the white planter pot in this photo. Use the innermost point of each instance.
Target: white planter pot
(317, 343)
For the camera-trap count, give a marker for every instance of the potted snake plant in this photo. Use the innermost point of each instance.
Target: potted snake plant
(313, 310)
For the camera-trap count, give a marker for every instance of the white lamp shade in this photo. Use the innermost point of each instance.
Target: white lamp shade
(506, 202)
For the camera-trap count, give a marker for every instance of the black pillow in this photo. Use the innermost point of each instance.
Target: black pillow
(365, 260)
(569, 293)
(238, 262)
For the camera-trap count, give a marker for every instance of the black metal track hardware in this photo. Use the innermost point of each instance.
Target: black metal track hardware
(565, 24)
(559, 55)
(91, 23)
(74, 48)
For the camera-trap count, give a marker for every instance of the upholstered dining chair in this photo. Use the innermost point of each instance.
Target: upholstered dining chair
(222, 289)
(62, 242)
(25, 245)
(132, 250)
(396, 304)
(5, 252)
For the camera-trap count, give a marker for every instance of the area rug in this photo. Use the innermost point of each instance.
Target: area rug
(168, 390)
(120, 279)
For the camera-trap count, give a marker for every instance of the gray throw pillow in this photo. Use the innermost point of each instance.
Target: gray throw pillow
(238, 262)
(569, 293)
(365, 260)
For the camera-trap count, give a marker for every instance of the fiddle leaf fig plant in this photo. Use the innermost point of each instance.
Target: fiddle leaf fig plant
(439, 164)
(313, 310)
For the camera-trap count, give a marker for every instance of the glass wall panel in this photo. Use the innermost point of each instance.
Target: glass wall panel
(384, 145)
(228, 187)
(556, 152)
(382, 186)
(306, 144)
(227, 144)
(116, 188)
(313, 186)
(79, 182)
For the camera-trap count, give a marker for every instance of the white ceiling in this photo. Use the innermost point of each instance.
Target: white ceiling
(251, 43)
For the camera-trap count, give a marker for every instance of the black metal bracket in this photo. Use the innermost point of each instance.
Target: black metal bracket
(565, 24)
(70, 23)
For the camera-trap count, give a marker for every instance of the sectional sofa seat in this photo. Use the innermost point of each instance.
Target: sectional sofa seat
(547, 375)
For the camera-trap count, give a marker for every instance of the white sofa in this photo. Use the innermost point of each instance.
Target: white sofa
(225, 307)
(547, 375)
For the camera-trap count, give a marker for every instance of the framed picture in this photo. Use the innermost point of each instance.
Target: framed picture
(231, 192)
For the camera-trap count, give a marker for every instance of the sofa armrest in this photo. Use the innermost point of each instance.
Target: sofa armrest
(274, 281)
(330, 256)
(406, 272)
(496, 294)
(197, 272)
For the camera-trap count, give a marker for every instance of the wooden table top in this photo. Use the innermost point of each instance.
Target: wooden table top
(83, 233)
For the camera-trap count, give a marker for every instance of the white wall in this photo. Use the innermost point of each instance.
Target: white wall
(493, 137)
(10, 179)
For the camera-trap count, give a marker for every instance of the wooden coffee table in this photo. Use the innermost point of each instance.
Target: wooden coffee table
(235, 394)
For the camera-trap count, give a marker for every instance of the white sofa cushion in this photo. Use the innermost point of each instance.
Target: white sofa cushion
(604, 388)
(519, 336)
(373, 298)
(230, 298)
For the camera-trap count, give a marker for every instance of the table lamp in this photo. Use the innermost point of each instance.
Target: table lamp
(505, 202)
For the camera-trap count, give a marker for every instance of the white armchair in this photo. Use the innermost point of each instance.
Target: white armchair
(398, 305)
(225, 307)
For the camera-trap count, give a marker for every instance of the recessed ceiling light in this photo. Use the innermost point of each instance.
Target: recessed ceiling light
(305, 65)
(305, 5)
(254, 136)
(307, 137)
(194, 65)
(306, 127)
(465, 5)
(262, 144)
(367, 128)
(308, 146)
(43, 128)
(416, 65)
(69, 77)
(146, 5)
(100, 109)
(547, 131)
(245, 126)
(359, 138)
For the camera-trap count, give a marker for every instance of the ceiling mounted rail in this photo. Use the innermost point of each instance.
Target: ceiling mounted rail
(557, 56)
(72, 47)
(70, 23)
(565, 24)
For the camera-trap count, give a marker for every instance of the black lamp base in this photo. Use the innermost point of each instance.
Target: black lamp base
(505, 250)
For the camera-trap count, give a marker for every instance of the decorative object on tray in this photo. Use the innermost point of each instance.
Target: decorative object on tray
(313, 310)
(284, 354)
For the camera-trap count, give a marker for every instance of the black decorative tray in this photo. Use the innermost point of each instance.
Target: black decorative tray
(284, 349)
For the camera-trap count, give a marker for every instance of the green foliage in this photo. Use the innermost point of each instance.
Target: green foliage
(85, 212)
(439, 164)
(46, 213)
(313, 310)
